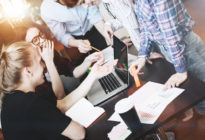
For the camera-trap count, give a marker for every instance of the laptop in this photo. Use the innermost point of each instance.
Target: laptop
(118, 80)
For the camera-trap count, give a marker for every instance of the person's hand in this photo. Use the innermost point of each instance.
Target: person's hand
(175, 80)
(98, 70)
(47, 51)
(127, 41)
(88, 3)
(108, 34)
(94, 57)
(139, 64)
(154, 55)
(82, 45)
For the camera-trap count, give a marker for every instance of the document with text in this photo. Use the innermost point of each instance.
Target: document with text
(150, 101)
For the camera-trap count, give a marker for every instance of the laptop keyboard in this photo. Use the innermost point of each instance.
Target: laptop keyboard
(109, 83)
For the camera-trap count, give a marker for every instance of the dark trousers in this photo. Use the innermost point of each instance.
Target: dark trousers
(96, 40)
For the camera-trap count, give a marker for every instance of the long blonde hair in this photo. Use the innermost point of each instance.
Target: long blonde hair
(13, 59)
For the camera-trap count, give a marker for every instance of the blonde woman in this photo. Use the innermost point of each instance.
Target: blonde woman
(26, 115)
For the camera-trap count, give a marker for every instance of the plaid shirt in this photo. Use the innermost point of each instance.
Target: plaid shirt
(164, 22)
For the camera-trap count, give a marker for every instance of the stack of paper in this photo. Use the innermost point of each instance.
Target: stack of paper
(84, 112)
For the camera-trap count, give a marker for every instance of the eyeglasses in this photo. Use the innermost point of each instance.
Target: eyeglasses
(39, 39)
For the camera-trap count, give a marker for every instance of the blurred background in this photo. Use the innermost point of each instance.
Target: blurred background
(17, 15)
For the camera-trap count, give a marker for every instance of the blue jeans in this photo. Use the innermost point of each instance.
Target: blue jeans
(194, 53)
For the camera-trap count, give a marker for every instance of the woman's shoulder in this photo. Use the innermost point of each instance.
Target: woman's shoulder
(26, 102)
(19, 96)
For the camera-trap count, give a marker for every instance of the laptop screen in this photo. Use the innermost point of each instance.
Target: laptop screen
(120, 53)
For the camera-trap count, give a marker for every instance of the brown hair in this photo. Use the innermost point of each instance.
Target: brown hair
(70, 3)
(13, 59)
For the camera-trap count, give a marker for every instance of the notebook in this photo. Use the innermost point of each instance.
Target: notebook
(84, 112)
(114, 83)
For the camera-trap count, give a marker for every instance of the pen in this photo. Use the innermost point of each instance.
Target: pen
(136, 78)
(91, 47)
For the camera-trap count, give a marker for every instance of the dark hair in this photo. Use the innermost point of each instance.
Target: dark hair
(71, 3)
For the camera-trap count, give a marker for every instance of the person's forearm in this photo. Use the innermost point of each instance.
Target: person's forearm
(57, 84)
(145, 43)
(81, 69)
(77, 94)
(72, 42)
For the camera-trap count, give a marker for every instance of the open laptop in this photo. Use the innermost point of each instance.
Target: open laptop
(118, 80)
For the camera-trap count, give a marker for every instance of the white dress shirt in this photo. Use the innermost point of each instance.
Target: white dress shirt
(65, 22)
(124, 17)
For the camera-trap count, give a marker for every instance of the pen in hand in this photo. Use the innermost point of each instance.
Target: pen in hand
(91, 47)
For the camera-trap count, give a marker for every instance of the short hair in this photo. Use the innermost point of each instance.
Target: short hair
(70, 3)
(13, 59)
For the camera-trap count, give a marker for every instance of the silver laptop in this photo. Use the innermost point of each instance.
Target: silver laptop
(118, 80)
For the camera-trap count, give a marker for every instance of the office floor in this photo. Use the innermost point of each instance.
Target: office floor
(193, 129)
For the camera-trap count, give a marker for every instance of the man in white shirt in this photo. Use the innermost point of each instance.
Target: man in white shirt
(124, 16)
(74, 23)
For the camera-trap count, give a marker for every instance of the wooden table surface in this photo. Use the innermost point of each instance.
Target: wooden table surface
(159, 72)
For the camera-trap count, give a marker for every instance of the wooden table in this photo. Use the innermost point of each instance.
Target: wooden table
(159, 72)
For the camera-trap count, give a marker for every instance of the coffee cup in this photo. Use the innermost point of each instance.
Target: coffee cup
(128, 114)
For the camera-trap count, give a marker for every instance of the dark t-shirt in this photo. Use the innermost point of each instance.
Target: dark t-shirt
(27, 116)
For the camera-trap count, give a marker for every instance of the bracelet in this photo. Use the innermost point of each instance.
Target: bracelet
(108, 23)
(142, 56)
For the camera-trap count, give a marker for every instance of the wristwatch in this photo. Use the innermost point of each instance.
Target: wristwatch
(142, 56)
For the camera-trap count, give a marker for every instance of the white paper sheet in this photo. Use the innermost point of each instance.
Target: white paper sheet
(84, 112)
(108, 54)
(119, 132)
(150, 101)
(115, 117)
